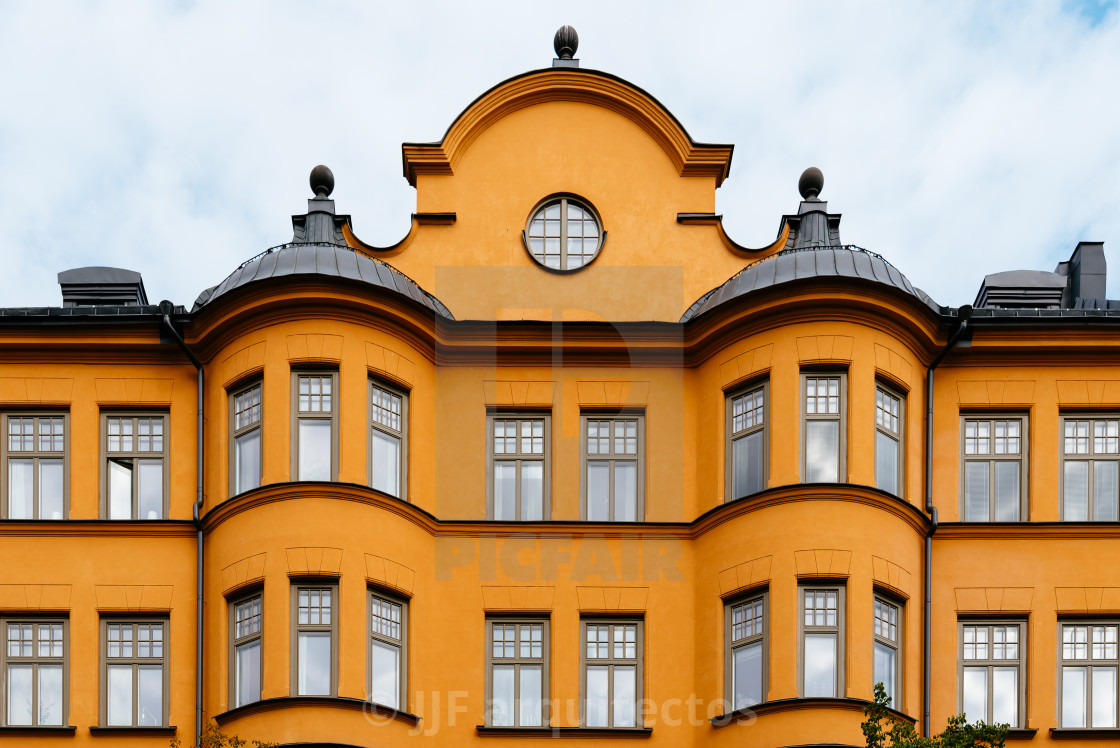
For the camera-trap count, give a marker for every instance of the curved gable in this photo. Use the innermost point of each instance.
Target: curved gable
(574, 85)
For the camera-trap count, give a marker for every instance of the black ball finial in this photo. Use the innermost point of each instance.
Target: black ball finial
(566, 42)
(811, 183)
(322, 182)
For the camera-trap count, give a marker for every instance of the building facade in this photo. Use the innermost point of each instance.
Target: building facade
(565, 462)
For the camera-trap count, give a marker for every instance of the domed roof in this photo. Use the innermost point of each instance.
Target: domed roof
(791, 265)
(319, 247)
(335, 260)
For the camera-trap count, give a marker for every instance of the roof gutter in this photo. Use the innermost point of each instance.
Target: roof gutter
(963, 314)
(165, 308)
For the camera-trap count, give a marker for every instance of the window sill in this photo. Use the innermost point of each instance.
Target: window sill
(99, 730)
(798, 704)
(564, 732)
(1021, 733)
(295, 702)
(1084, 733)
(29, 731)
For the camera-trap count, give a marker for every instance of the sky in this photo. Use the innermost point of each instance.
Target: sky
(957, 138)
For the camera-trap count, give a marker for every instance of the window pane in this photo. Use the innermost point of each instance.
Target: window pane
(1104, 697)
(976, 492)
(822, 451)
(747, 675)
(21, 488)
(120, 492)
(386, 463)
(625, 695)
(531, 695)
(820, 664)
(885, 669)
(249, 673)
(314, 449)
(150, 702)
(747, 472)
(150, 478)
(1073, 697)
(1005, 695)
(598, 491)
(1076, 492)
(385, 685)
(50, 489)
(314, 664)
(505, 490)
(1104, 491)
(974, 702)
(532, 491)
(248, 455)
(501, 708)
(626, 491)
(19, 695)
(50, 694)
(595, 711)
(120, 695)
(1007, 492)
(886, 463)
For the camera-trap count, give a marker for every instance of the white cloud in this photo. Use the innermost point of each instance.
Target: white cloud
(957, 139)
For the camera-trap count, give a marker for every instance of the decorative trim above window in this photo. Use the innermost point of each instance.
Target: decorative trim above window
(563, 233)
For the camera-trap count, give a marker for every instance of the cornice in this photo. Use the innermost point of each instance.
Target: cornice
(708, 521)
(691, 159)
(97, 528)
(1026, 530)
(264, 706)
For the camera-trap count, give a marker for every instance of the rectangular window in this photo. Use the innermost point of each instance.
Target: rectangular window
(994, 468)
(517, 672)
(1090, 459)
(519, 450)
(611, 660)
(134, 677)
(992, 688)
(314, 644)
(245, 651)
(888, 440)
(823, 406)
(35, 672)
(613, 466)
(315, 428)
(136, 469)
(33, 466)
(1089, 667)
(388, 661)
(245, 439)
(388, 446)
(822, 640)
(745, 665)
(746, 453)
(887, 637)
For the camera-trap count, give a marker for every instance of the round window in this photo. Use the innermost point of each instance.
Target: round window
(564, 234)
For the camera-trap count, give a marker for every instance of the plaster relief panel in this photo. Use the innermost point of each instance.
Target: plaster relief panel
(746, 364)
(35, 391)
(121, 391)
(314, 347)
(390, 363)
(517, 599)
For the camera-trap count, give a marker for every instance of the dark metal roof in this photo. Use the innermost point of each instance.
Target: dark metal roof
(322, 259)
(787, 266)
(90, 313)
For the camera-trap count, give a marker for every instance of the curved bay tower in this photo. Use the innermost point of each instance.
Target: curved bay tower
(567, 461)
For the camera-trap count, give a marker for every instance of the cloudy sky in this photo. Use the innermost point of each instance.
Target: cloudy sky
(175, 138)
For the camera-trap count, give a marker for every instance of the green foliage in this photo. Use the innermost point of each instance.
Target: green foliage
(212, 737)
(884, 730)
